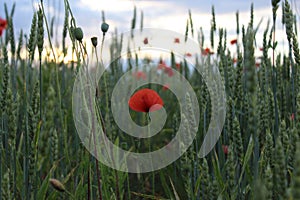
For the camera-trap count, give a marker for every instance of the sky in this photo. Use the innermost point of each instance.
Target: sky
(166, 14)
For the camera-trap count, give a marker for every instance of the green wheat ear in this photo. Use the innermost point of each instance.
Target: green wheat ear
(133, 21)
(49, 120)
(213, 27)
(65, 31)
(214, 189)
(283, 13)
(280, 184)
(237, 22)
(205, 179)
(32, 37)
(230, 170)
(191, 23)
(250, 61)
(294, 138)
(40, 32)
(271, 109)
(7, 16)
(284, 137)
(296, 175)
(274, 8)
(259, 190)
(12, 113)
(142, 21)
(5, 83)
(220, 50)
(298, 114)
(5, 54)
(33, 120)
(54, 145)
(237, 141)
(20, 44)
(296, 49)
(238, 90)
(288, 18)
(268, 180)
(12, 36)
(186, 30)
(251, 15)
(225, 39)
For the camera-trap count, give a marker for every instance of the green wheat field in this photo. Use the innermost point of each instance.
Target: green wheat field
(256, 157)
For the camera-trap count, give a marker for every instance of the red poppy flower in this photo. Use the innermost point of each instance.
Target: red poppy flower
(178, 65)
(257, 64)
(234, 41)
(225, 149)
(162, 65)
(140, 75)
(292, 116)
(145, 41)
(188, 55)
(145, 100)
(176, 40)
(206, 51)
(169, 71)
(3, 25)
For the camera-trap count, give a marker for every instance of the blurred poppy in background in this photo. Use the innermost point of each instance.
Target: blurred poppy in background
(3, 25)
(176, 40)
(145, 41)
(234, 41)
(225, 149)
(140, 75)
(206, 52)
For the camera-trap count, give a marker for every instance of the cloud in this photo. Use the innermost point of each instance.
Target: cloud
(165, 14)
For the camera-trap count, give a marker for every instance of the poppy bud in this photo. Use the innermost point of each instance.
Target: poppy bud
(104, 27)
(57, 184)
(225, 149)
(78, 34)
(94, 41)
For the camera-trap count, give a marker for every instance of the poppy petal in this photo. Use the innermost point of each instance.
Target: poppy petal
(145, 100)
(234, 41)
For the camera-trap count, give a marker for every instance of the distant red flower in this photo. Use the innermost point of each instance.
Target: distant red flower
(162, 65)
(206, 51)
(257, 64)
(261, 48)
(145, 100)
(188, 54)
(3, 25)
(165, 87)
(225, 149)
(140, 75)
(234, 60)
(234, 41)
(145, 41)
(176, 40)
(178, 65)
(292, 116)
(169, 71)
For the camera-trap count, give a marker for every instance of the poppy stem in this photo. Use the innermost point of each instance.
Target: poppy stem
(153, 173)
